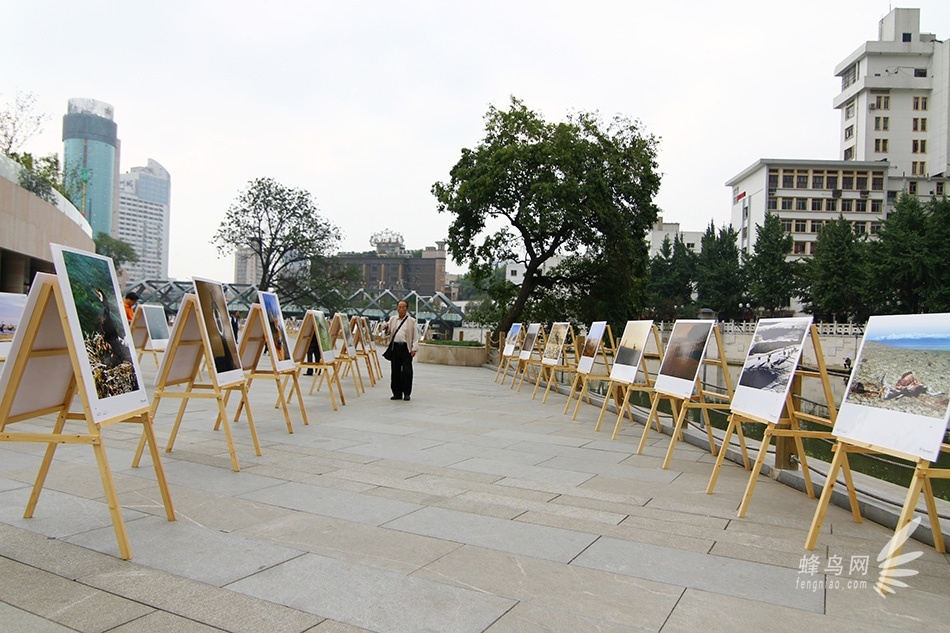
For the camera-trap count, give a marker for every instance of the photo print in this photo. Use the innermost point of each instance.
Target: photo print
(275, 332)
(157, 325)
(511, 340)
(11, 309)
(531, 337)
(771, 362)
(630, 350)
(555, 343)
(213, 310)
(897, 396)
(684, 354)
(591, 344)
(100, 332)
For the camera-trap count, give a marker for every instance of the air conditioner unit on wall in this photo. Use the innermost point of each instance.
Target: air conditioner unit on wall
(835, 193)
(872, 106)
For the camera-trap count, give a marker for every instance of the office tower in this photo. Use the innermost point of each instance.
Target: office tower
(142, 220)
(91, 161)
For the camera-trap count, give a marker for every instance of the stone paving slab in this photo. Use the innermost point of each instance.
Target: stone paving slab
(332, 503)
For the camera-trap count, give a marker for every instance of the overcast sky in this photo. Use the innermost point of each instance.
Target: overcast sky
(367, 104)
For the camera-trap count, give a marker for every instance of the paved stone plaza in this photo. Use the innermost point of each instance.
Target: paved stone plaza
(471, 508)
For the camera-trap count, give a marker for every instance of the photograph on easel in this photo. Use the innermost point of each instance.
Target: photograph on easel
(684, 355)
(771, 362)
(326, 342)
(591, 345)
(11, 309)
(275, 331)
(555, 343)
(511, 340)
(630, 350)
(100, 331)
(157, 325)
(214, 314)
(898, 396)
(529, 340)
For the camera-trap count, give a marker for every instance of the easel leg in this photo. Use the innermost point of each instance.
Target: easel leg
(803, 460)
(907, 515)
(603, 408)
(121, 537)
(756, 469)
(620, 414)
(223, 421)
(646, 427)
(570, 394)
(714, 477)
(296, 389)
(44, 467)
(149, 434)
(934, 517)
(585, 389)
(852, 492)
(841, 457)
(283, 406)
(677, 434)
(250, 421)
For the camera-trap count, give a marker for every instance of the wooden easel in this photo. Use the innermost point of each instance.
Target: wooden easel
(702, 399)
(362, 344)
(529, 358)
(142, 337)
(788, 426)
(188, 346)
(628, 387)
(346, 351)
(603, 348)
(254, 341)
(509, 349)
(42, 343)
(323, 364)
(371, 347)
(560, 354)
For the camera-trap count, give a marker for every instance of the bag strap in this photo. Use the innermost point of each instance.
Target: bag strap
(393, 337)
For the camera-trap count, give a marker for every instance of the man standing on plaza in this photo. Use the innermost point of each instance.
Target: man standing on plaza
(405, 343)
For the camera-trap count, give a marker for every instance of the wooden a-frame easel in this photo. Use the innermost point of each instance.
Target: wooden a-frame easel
(362, 344)
(38, 357)
(529, 359)
(508, 351)
(346, 354)
(328, 369)
(559, 354)
(604, 350)
(702, 399)
(254, 341)
(627, 388)
(370, 344)
(788, 426)
(142, 338)
(188, 346)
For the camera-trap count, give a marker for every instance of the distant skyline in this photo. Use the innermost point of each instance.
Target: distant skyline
(367, 105)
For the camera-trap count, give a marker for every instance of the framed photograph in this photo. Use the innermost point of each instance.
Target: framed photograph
(11, 309)
(683, 357)
(531, 337)
(897, 396)
(326, 342)
(630, 350)
(278, 345)
(771, 362)
(512, 344)
(589, 354)
(111, 376)
(555, 343)
(213, 313)
(157, 326)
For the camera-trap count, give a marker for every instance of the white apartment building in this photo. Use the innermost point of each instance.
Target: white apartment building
(895, 102)
(143, 219)
(662, 230)
(247, 266)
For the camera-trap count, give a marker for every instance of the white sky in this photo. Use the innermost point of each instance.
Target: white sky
(367, 104)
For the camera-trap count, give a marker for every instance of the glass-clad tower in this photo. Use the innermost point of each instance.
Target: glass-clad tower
(91, 160)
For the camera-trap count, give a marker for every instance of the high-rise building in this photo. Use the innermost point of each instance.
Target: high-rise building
(142, 220)
(894, 100)
(91, 161)
(247, 266)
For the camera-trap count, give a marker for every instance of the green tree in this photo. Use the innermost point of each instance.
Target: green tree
(835, 274)
(293, 243)
(907, 264)
(19, 123)
(771, 276)
(720, 277)
(532, 190)
(121, 252)
(672, 272)
(41, 175)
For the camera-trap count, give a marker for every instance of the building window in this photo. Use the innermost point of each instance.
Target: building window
(850, 76)
(801, 180)
(882, 102)
(788, 180)
(861, 182)
(800, 226)
(918, 168)
(861, 206)
(912, 188)
(787, 226)
(849, 153)
(919, 146)
(939, 188)
(816, 226)
(816, 204)
(847, 181)
(877, 182)
(801, 204)
(875, 227)
(905, 37)
(849, 132)
(799, 248)
(880, 145)
(920, 72)
(818, 180)
(786, 204)
(831, 205)
(876, 206)
(859, 227)
(832, 181)
(773, 179)
(920, 125)
(920, 103)
(773, 204)
(882, 123)
(849, 111)
(846, 206)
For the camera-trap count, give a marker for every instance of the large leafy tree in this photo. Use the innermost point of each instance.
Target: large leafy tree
(119, 251)
(672, 272)
(835, 274)
(770, 274)
(533, 190)
(282, 227)
(720, 277)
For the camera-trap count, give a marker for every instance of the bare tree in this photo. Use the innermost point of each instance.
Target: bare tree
(19, 123)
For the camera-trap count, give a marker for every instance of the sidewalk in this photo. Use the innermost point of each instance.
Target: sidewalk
(471, 508)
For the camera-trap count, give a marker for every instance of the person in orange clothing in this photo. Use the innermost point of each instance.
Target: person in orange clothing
(131, 298)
